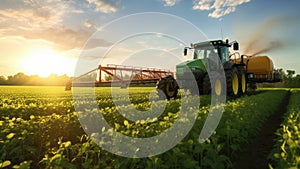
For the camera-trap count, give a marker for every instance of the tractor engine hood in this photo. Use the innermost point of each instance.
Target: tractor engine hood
(197, 65)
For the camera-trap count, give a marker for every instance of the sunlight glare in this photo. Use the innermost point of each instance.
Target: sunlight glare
(45, 61)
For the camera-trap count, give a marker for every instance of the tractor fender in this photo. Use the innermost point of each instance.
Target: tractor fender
(229, 65)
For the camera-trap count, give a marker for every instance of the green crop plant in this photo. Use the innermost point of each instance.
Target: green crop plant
(286, 152)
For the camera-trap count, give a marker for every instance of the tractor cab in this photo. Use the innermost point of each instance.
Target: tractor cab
(207, 56)
(210, 49)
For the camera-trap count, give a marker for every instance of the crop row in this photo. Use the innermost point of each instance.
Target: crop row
(47, 133)
(286, 152)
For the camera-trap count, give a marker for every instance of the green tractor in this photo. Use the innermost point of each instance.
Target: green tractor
(212, 69)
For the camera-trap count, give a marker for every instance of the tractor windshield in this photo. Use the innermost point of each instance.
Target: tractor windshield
(212, 53)
(205, 52)
(224, 54)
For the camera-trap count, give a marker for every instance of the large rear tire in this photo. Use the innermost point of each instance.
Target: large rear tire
(232, 80)
(242, 82)
(167, 88)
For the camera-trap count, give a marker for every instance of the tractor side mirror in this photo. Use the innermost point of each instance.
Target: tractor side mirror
(185, 51)
(235, 46)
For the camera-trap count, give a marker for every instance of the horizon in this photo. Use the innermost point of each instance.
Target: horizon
(36, 75)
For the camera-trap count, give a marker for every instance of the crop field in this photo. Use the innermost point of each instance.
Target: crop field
(40, 129)
(286, 152)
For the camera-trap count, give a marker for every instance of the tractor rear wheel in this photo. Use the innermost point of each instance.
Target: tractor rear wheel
(242, 82)
(232, 80)
(167, 88)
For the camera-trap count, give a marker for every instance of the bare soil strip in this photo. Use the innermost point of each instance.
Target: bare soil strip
(254, 154)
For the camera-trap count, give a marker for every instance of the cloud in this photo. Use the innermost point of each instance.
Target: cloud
(91, 25)
(34, 20)
(219, 8)
(170, 2)
(93, 43)
(32, 14)
(27, 18)
(66, 39)
(105, 6)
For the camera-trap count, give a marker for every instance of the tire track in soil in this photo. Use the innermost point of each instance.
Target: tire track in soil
(254, 155)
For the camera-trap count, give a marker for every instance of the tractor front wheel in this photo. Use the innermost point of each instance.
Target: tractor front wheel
(213, 84)
(167, 88)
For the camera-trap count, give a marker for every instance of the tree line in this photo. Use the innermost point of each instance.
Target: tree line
(289, 80)
(22, 79)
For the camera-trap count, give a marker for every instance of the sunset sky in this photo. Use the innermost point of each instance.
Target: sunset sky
(48, 36)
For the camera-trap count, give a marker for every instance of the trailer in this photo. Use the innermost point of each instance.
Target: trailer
(260, 69)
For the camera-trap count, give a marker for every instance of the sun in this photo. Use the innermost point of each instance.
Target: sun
(45, 61)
